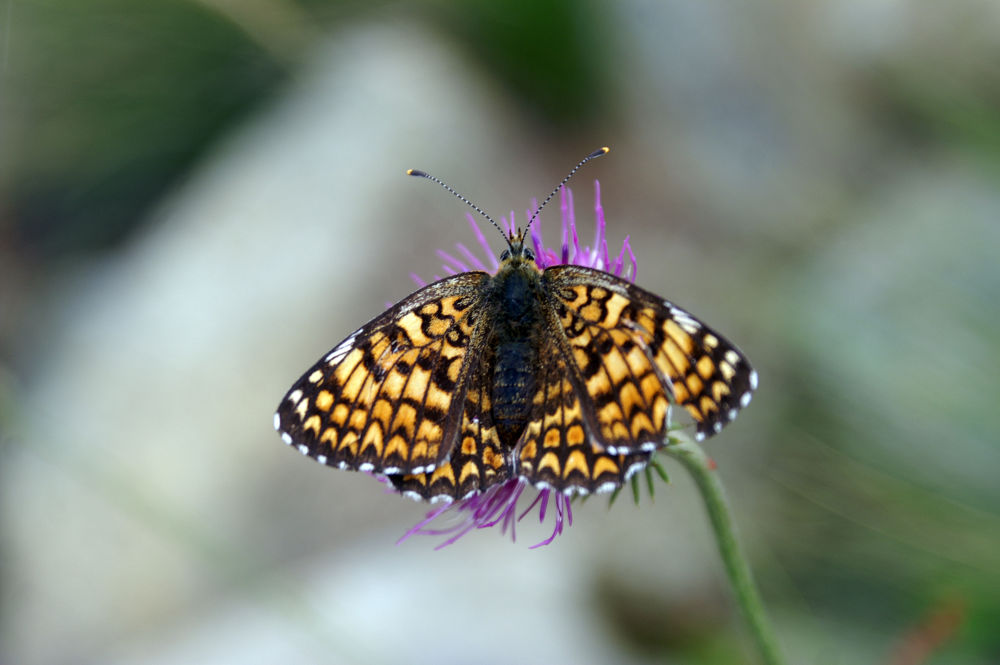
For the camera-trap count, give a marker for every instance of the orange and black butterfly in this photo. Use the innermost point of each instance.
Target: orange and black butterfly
(564, 377)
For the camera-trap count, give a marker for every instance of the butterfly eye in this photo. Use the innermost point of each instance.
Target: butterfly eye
(528, 254)
(505, 255)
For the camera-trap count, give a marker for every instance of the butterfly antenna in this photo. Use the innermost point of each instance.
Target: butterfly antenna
(594, 155)
(421, 174)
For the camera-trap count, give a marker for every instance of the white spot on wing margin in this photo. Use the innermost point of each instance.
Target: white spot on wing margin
(341, 349)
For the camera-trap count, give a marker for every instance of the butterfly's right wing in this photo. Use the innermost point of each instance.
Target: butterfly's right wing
(389, 399)
(630, 351)
(614, 357)
(557, 449)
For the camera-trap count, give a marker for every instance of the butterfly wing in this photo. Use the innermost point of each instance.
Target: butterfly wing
(630, 351)
(557, 450)
(478, 461)
(391, 397)
(617, 356)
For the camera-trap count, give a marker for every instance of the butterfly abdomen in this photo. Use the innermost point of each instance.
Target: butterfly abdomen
(513, 387)
(514, 336)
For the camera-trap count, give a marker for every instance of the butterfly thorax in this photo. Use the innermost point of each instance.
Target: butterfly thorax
(514, 342)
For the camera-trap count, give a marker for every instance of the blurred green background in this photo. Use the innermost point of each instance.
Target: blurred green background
(198, 199)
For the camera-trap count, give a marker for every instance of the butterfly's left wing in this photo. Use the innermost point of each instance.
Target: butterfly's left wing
(478, 461)
(390, 398)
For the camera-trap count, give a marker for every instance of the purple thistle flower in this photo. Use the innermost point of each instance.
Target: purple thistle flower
(497, 506)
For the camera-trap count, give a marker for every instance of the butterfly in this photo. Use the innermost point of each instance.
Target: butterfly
(563, 377)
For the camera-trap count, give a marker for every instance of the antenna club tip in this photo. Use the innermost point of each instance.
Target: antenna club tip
(604, 150)
(416, 173)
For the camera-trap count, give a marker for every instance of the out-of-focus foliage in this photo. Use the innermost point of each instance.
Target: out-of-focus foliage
(107, 105)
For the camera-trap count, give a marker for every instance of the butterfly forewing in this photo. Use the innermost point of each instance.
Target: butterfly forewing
(633, 350)
(390, 398)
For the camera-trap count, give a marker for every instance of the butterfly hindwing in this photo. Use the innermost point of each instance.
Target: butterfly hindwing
(390, 398)
(557, 450)
(477, 461)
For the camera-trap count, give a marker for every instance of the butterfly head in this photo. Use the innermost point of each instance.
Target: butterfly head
(517, 251)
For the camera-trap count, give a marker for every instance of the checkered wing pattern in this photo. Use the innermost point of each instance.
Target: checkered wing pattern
(394, 397)
(477, 461)
(619, 356)
(557, 449)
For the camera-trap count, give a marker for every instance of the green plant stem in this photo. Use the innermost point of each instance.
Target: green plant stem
(702, 469)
